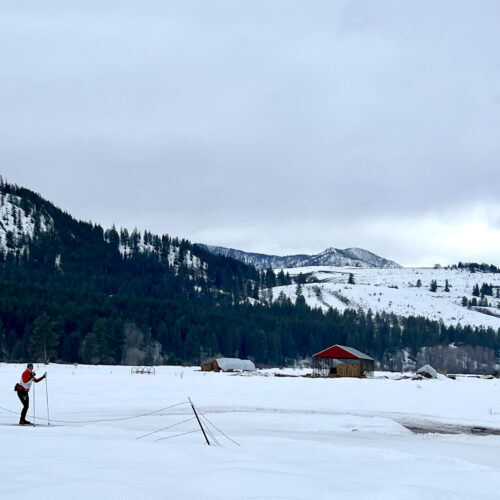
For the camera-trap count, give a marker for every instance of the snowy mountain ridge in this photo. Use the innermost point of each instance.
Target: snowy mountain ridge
(353, 257)
(21, 220)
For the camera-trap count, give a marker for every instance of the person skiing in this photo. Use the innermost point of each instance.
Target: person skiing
(23, 388)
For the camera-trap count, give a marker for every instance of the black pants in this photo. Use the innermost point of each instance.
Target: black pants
(25, 400)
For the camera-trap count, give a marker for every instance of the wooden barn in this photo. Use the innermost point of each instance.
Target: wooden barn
(342, 361)
(228, 365)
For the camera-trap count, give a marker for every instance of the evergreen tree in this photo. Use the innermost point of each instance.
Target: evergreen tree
(44, 340)
(419, 283)
(71, 347)
(351, 279)
(270, 278)
(3, 343)
(90, 349)
(192, 346)
(18, 352)
(282, 280)
(447, 286)
(433, 286)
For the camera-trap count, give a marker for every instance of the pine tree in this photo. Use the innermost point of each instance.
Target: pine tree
(282, 278)
(419, 283)
(18, 352)
(192, 346)
(90, 349)
(447, 286)
(3, 345)
(270, 278)
(433, 286)
(44, 340)
(351, 279)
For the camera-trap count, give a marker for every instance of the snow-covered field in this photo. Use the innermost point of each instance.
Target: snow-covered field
(395, 290)
(299, 438)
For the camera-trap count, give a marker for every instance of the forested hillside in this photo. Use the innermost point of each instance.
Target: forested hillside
(74, 292)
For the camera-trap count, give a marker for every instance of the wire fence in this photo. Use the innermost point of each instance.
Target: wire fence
(206, 426)
(103, 420)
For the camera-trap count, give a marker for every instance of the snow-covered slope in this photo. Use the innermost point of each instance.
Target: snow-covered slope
(18, 223)
(396, 291)
(356, 257)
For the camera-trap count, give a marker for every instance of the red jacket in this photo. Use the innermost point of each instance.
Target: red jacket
(26, 380)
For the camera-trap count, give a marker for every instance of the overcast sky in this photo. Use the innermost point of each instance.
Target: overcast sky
(270, 126)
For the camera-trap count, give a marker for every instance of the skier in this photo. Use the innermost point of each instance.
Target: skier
(22, 389)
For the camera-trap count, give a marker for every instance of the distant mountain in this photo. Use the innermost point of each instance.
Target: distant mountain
(350, 257)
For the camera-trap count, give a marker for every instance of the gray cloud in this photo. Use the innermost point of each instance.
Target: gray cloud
(269, 126)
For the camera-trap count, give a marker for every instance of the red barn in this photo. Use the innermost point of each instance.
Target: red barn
(342, 361)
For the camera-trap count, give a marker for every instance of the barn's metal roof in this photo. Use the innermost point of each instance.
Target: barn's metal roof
(336, 353)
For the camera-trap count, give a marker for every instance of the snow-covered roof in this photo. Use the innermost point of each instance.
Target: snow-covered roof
(427, 369)
(226, 364)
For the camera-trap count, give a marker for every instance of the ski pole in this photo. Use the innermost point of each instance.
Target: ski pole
(34, 405)
(47, 395)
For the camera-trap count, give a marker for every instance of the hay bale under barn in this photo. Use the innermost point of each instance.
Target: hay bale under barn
(349, 370)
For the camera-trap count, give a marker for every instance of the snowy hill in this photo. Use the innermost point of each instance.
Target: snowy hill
(355, 257)
(397, 291)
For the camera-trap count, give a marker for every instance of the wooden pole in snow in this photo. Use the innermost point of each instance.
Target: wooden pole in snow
(199, 422)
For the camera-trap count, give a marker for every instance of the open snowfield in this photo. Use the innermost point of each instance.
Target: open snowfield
(299, 438)
(395, 290)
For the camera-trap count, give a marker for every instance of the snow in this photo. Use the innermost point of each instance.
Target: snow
(395, 291)
(300, 438)
(427, 370)
(191, 261)
(15, 220)
(235, 364)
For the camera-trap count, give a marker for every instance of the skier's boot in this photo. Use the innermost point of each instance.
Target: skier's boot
(24, 422)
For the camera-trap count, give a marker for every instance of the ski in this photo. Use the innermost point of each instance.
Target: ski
(31, 425)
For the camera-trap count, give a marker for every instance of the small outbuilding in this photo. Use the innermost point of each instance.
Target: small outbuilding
(342, 361)
(427, 371)
(228, 365)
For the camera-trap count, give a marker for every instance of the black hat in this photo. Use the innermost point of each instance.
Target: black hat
(30, 365)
